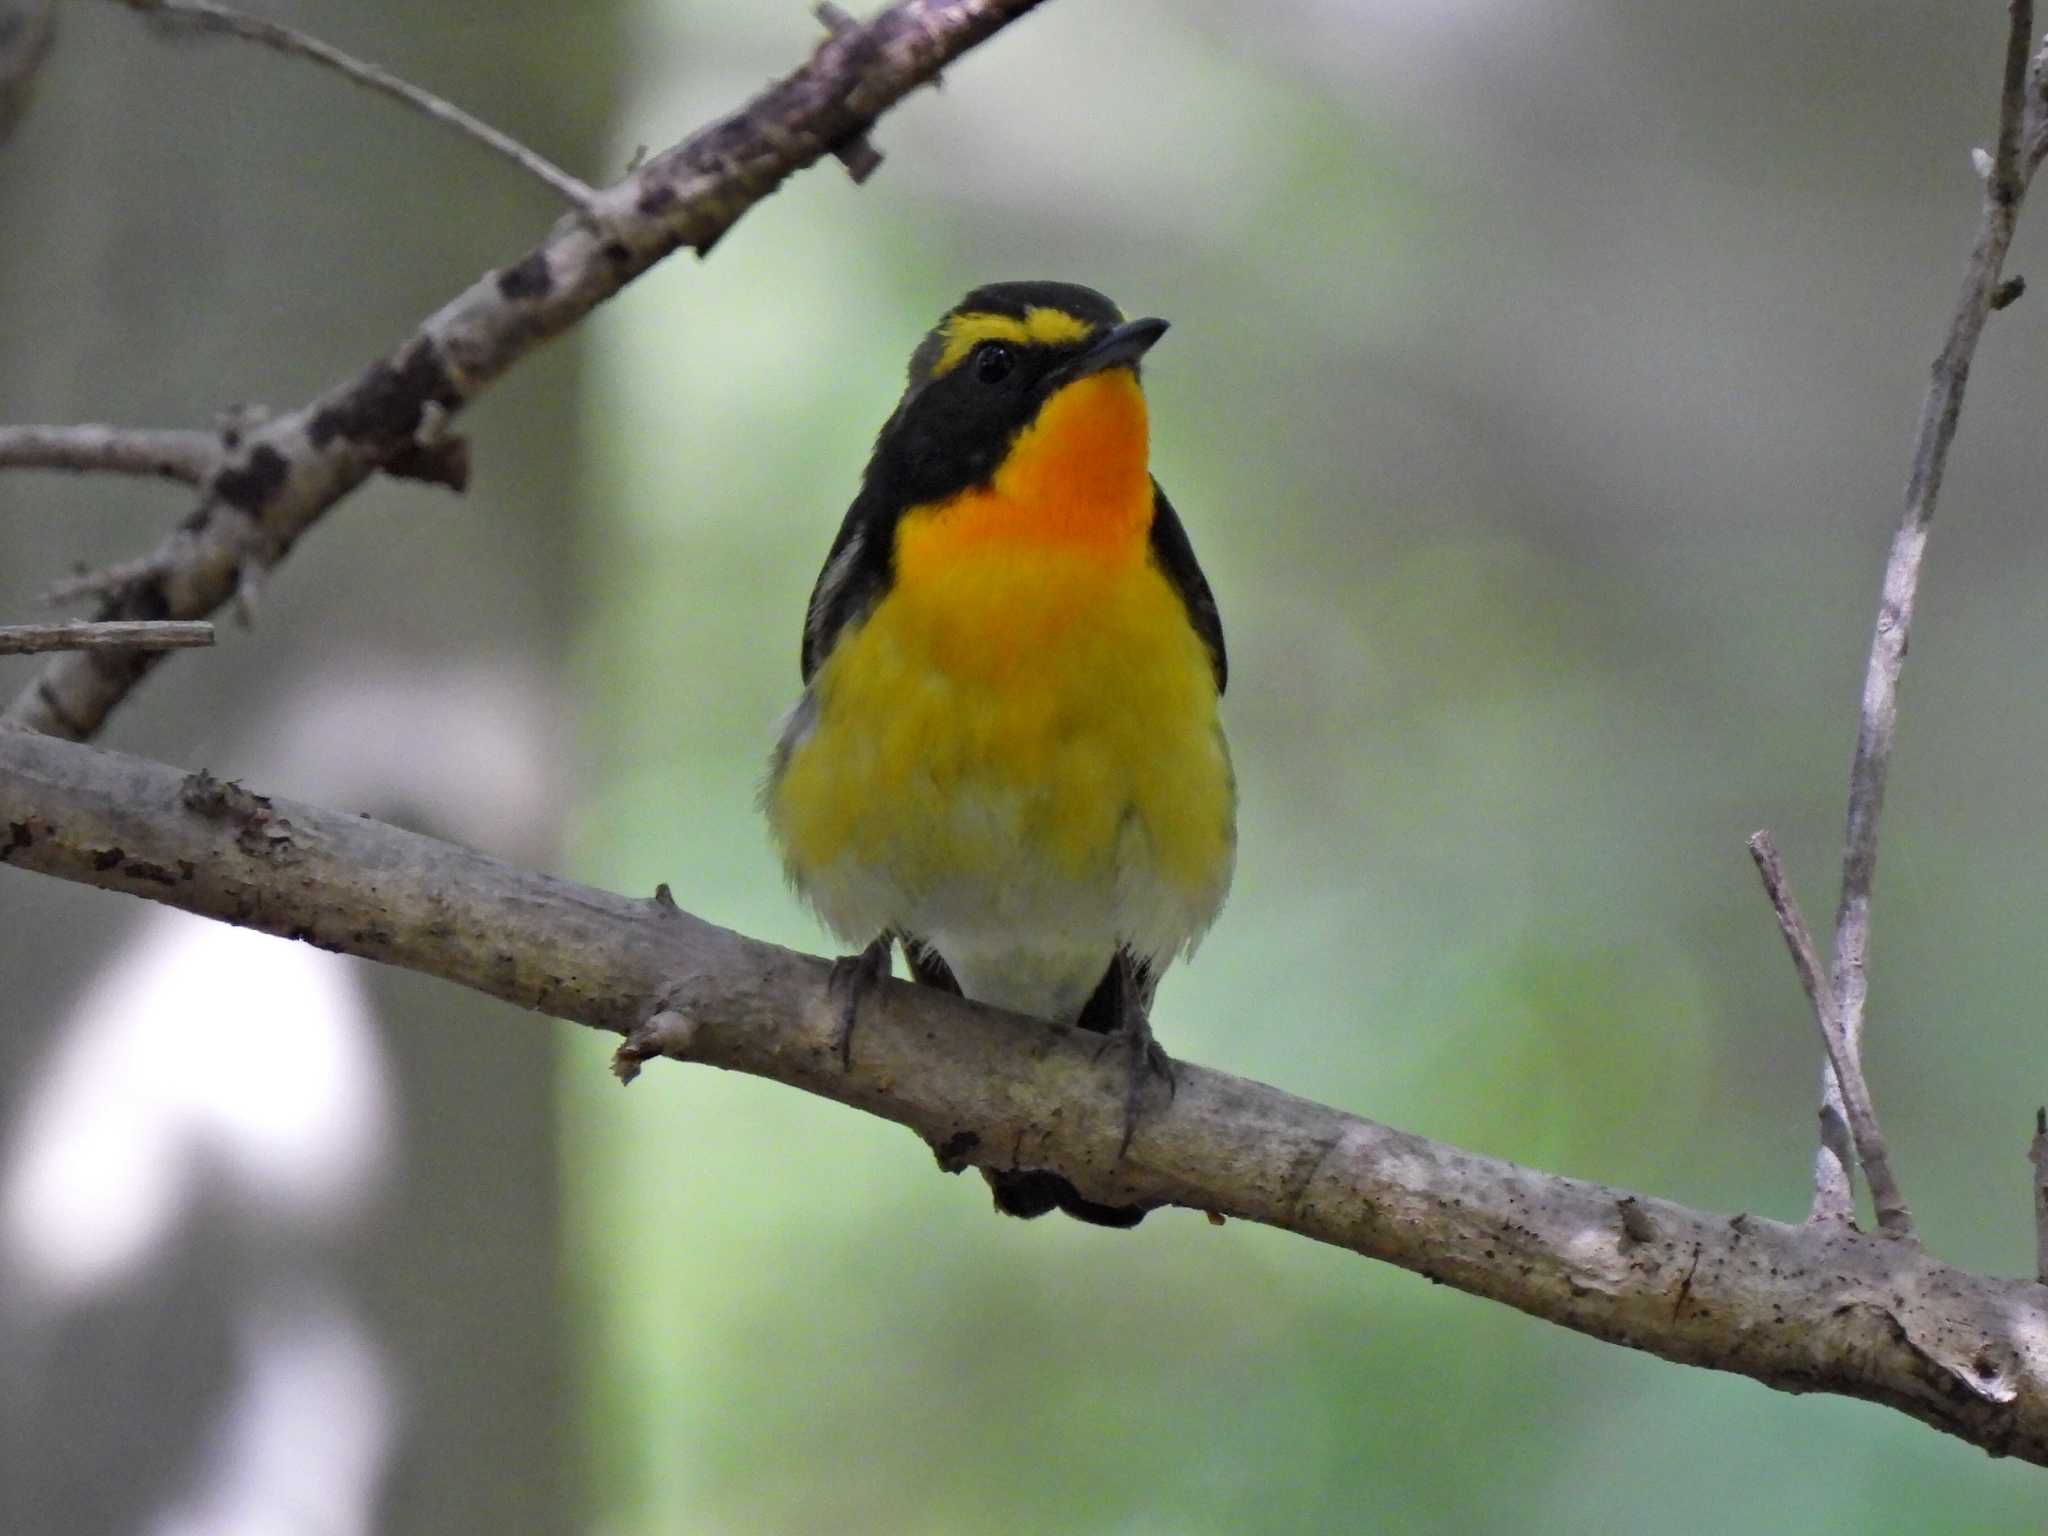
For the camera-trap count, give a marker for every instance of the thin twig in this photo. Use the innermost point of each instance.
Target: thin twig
(188, 457)
(2037, 1154)
(2004, 186)
(1865, 1133)
(220, 18)
(130, 635)
(191, 458)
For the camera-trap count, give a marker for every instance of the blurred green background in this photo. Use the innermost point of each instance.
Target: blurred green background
(1538, 400)
(1538, 394)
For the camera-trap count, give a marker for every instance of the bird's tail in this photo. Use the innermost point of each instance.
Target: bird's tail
(1029, 1192)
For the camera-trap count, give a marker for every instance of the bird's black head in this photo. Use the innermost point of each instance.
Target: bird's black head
(981, 375)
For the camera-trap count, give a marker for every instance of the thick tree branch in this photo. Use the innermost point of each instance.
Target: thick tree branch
(1802, 1308)
(287, 471)
(2006, 177)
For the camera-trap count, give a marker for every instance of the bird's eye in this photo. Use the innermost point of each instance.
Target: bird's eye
(993, 362)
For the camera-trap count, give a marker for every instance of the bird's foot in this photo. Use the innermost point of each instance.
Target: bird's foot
(853, 978)
(1145, 1059)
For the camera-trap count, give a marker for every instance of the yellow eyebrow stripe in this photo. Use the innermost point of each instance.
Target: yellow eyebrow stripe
(1041, 327)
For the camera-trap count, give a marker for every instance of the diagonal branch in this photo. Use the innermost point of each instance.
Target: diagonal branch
(288, 470)
(2011, 168)
(1803, 1308)
(208, 17)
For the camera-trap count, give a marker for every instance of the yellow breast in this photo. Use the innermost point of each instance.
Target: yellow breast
(1078, 694)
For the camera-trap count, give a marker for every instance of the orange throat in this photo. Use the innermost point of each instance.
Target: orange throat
(1075, 479)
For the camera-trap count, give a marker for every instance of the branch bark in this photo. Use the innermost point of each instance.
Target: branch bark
(1802, 1308)
(286, 472)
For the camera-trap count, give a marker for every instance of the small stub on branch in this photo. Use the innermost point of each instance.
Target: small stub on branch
(858, 154)
(666, 1033)
(2007, 293)
(1636, 1225)
(444, 462)
(134, 635)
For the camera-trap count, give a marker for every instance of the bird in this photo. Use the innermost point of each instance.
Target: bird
(1007, 756)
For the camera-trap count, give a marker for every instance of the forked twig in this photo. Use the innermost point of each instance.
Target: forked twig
(2006, 177)
(1860, 1113)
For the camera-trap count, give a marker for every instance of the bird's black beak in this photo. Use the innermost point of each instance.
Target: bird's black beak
(1120, 348)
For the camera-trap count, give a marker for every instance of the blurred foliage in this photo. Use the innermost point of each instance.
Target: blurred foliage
(1537, 399)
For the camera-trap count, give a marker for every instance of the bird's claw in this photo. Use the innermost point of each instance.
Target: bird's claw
(1147, 1059)
(853, 978)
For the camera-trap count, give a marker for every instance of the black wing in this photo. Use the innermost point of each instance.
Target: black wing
(1176, 557)
(856, 571)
